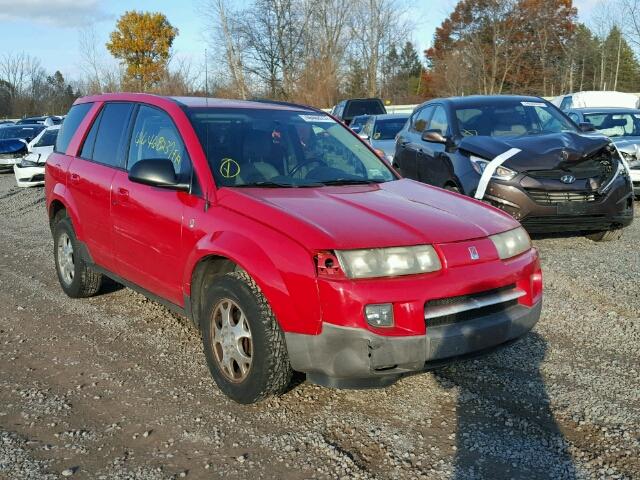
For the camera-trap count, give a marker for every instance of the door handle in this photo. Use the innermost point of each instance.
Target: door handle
(123, 194)
(75, 178)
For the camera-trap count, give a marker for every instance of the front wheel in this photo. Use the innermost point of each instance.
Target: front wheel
(243, 343)
(606, 236)
(77, 279)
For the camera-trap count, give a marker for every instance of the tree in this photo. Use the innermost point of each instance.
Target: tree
(142, 40)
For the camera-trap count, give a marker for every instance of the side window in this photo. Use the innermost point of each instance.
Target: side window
(368, 127)
(574, 116)
(439, 121)
(71, 123)
(547, 121)
(87, 146)
(111, 133)
(567, 103)
(421, 118)
(155, 136)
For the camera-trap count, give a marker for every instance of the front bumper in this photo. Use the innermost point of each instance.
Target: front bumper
(612, 210)
(345, 357)
(29, 176)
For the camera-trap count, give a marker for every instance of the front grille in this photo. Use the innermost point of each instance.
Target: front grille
(597, 168)
(38, 178)
(446, 311)
(547, 197)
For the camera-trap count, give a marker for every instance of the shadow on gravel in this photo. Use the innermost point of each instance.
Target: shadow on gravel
(506, 429)
(108, 286)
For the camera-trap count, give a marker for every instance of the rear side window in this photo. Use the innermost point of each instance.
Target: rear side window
(70, 125)
(156, 137)
(111, 131)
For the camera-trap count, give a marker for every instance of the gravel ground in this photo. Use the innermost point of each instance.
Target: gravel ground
(116, 386)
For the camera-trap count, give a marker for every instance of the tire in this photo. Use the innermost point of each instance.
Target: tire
(246, 354)
(76, 278)
(606, 236)
(452, 188)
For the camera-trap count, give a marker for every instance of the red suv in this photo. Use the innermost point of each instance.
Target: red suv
(285, 239)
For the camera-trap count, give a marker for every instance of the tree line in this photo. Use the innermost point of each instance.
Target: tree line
(320, 51)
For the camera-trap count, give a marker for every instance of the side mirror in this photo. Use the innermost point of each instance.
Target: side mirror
(434, 136)
(157, 172)
(586, 127)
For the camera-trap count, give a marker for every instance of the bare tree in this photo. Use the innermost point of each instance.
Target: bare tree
(224, 33)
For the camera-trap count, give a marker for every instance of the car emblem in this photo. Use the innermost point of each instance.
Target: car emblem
(473, 253)
(567, 179)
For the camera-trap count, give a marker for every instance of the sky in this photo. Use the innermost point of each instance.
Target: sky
(50, 29)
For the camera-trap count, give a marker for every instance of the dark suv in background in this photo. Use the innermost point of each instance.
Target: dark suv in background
(522, 155)
(353, 107)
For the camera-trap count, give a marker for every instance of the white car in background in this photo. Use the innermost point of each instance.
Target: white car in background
(30, 170)
(596, 99)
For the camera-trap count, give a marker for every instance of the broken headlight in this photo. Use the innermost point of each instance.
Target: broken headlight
(501, 173)
(30, 160)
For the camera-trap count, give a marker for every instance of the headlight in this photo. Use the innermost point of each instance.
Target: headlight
(388, 262)
(501, 173)
(511, 243)
(30, 160)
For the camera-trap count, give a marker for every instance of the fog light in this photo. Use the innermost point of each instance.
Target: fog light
(379, 315)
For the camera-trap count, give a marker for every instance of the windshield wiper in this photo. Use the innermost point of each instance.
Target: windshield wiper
(351, 181)
(269, 184)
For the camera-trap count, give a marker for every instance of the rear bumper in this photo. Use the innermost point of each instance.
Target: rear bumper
(346, 357)
(611, 211)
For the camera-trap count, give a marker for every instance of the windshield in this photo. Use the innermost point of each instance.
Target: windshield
(283, 148)
(387, 129)
(26, 133)
(48, 138)
(363, 107)
(615, 124)
(512, 119)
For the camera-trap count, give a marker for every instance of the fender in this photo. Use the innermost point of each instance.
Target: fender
(290, 287)
(61, 193)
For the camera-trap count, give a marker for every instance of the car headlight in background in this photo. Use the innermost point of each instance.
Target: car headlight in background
(501, 173)
(511, 243)
(30, 160)
(388, 262)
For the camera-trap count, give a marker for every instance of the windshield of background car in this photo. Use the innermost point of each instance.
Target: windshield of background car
(387, 129)
(48, 138)
(283, 148)
(363, 107)
(26, 133)
(615, 124)
(512, 119)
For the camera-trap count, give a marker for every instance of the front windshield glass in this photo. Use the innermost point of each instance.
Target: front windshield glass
(615, 124)
(512, 119)
(283, 148)
(48, 138)
(387, 129)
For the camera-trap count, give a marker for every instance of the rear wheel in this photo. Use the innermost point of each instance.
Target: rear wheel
(606, 236)
(243, 343)
(76, 278)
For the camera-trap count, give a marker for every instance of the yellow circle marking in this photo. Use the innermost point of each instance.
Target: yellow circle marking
(229, 168)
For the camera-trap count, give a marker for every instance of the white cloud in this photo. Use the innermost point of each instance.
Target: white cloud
(57, 13)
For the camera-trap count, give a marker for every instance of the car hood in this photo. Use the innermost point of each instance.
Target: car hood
(13, 145)
(387, 146)
(628, 144)
(538, 152)
(397, 213)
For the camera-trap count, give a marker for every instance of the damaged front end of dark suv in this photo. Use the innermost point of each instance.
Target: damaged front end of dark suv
(565, 182)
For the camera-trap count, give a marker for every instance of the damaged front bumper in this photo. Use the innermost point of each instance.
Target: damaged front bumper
(29, 176)
(556, 210)
(345, 357)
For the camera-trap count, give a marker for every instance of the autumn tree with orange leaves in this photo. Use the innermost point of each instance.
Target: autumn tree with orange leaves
(142, 40)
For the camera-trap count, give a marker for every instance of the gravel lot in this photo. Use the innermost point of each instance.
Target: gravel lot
(116, 386)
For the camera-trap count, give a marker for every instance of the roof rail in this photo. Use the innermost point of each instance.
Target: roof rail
(288, 104)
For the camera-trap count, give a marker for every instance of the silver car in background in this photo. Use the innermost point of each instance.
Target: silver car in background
(381, 130)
